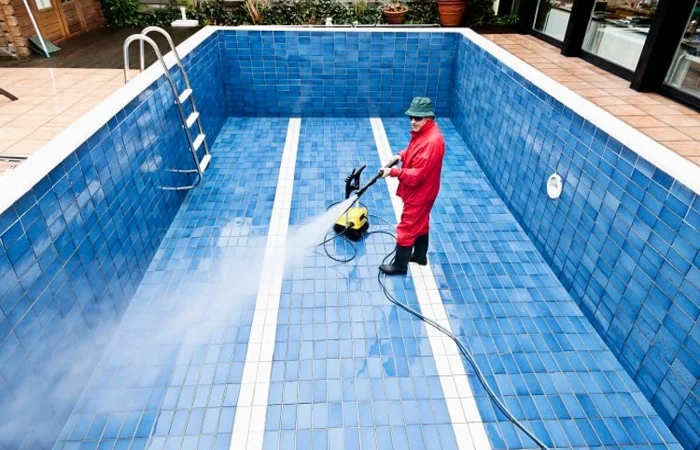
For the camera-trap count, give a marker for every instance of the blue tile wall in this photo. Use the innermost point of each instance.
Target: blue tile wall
(75, 247)
(342, 74)
(623, 238)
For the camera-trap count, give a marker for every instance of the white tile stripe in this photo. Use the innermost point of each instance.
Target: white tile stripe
(251, 408)
(464, 414)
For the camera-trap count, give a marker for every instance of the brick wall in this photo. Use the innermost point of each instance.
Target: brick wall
(11, 41)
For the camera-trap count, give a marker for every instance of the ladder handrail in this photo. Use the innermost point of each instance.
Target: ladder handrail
(151, 42)
(178, 61)
(160, 30)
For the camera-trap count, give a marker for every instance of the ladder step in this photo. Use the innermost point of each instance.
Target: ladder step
(198, 141)
(204, 162)
(192, 119)
(185, 95)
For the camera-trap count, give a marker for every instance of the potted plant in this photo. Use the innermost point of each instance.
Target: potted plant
(451, 12)
(395, 13)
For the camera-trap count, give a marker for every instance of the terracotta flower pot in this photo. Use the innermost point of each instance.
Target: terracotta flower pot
(451, 12)
(395, 18)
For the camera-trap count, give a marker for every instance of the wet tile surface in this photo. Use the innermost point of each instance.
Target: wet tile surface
(350, 370)
(172, 375)
(533, 344)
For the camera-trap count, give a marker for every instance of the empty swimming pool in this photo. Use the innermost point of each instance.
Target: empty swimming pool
(137, 317)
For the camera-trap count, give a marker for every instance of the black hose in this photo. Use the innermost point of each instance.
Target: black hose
(467, 355)
(462, 348)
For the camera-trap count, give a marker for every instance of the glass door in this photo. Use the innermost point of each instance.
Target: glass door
(553, 17)
(684, 73)
(618, 30)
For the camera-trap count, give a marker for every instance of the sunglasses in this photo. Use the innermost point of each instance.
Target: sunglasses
(415, 119)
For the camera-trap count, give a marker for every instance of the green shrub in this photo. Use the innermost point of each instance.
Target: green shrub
(158, 17)
(126, 13)
(422, 12)
(507, 21)
(365, 13)
(479, 12)
(214, 13)
(121, 13)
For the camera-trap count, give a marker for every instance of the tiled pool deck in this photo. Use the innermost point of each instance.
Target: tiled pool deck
(49, 101)
(347, 369)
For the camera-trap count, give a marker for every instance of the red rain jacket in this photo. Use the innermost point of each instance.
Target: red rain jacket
(419, 181)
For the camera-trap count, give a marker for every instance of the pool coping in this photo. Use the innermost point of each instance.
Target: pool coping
(17, 182)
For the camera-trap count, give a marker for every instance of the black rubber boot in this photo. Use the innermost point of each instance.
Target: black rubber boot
(400, 264)
(420, 250)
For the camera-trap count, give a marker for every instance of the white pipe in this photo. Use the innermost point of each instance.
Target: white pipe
(36, 28)
(141, 54)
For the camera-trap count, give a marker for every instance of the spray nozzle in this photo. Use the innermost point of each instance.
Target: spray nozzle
(352, 182)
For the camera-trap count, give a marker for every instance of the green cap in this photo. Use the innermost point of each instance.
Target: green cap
(420, 107)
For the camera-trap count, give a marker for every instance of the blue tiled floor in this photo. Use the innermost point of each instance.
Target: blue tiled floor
(350, 370)
(171, 376)
(534, 345)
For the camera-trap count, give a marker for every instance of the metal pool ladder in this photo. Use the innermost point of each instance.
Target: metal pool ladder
(180, 98)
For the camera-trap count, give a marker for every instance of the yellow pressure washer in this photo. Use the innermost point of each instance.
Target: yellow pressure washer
(354, 222)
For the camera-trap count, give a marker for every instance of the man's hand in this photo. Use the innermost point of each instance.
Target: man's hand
(385, 172)
(395, 160)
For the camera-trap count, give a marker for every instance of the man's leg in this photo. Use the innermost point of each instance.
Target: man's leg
(400, 264)
(404, 244)
(421, 229)
(420, 250)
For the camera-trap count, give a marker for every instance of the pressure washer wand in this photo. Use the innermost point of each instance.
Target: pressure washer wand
(374, 179)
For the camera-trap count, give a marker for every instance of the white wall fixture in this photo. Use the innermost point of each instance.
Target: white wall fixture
(554, 186)
(184, 22)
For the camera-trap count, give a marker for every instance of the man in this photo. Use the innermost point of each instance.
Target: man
(419, 184)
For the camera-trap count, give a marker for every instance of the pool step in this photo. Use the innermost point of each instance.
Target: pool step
(198, 142)
(205, 162)
(192, 119)
(185, 95)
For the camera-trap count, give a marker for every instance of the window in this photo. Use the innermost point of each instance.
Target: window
(43, 4)
(618, 30)
(553, 17)
(684, 73)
